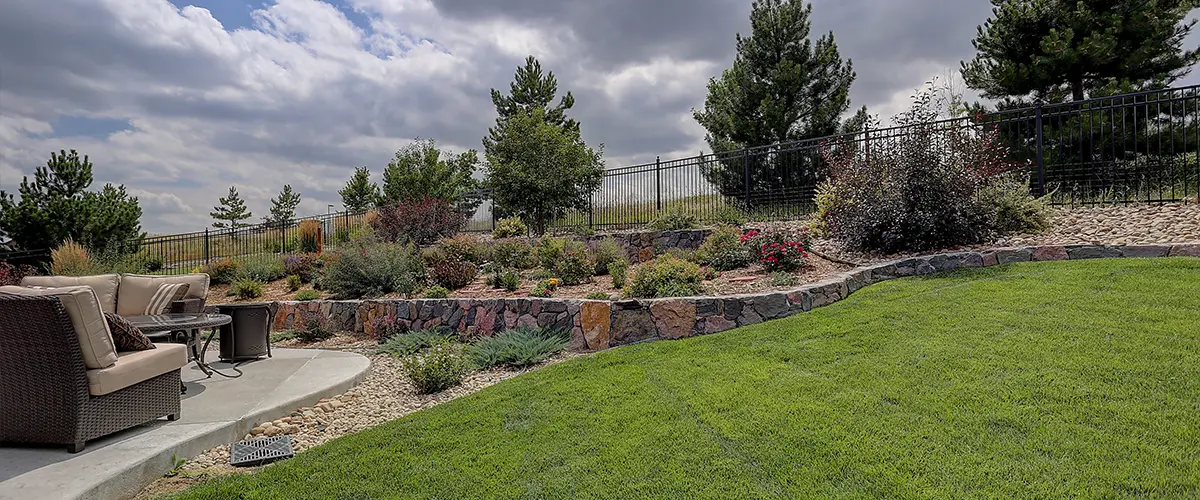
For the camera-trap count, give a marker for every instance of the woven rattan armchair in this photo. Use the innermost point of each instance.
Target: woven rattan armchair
(44, 396)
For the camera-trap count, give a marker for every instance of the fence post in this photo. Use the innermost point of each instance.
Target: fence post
(1041, 165)
(658, 183)
(746, 174)
(206, 254)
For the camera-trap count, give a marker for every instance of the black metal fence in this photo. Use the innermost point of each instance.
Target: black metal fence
(1130, 148)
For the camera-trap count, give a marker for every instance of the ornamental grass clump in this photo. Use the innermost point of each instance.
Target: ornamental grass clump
(373, 269)
(71, 259)
(518, 348)
(605, 252)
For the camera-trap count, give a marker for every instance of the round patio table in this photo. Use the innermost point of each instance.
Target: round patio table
(185, 328)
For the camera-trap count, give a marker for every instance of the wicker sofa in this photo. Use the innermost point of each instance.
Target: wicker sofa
(62, 380)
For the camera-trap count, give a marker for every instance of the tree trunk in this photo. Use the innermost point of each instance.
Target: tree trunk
(1077, 89)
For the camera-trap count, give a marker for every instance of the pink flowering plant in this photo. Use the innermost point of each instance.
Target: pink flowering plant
(779, 250)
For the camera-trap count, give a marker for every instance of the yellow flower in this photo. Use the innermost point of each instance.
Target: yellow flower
(554, 281)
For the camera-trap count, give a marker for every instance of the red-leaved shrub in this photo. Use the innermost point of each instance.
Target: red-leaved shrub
(11, 275)
(421, 222)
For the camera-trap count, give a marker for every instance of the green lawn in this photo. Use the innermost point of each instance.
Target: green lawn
(1029, 381)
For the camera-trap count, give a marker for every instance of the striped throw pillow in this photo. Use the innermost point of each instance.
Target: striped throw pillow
(160, 302)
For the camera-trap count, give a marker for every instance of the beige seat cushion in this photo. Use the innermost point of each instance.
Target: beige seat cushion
(137, 366)
(137, 290)
(105, 286)
(95, 340)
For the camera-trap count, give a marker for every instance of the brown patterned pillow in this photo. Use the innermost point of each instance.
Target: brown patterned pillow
(126, 336)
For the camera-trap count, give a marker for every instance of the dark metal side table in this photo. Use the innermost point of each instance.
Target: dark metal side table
(248, 335)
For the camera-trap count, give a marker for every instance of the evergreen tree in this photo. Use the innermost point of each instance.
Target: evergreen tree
(530, 90)
(360, 194)
(231, 212)
(1052, 49)
(421, 170)
(781, 88)
(283, 208)
(56, 206)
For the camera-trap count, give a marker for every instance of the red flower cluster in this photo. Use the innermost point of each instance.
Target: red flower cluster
(778, 250)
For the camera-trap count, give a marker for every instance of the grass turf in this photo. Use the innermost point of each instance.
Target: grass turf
(1032, 380)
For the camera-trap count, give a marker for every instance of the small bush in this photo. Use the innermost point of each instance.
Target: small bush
(543, 274)
(440, 367)
(373, 269)
(673, 220)
(710, 273)
(505, 279)
(582, 231)
(574, 267)
(517, 348)
(724, 250)
(513, 254)
(729, 215)
(309, 240)
(154, 263)
(543, 290)
(606, 252)
(1013, 209)
(666, 276)
(437, 292)
(619, 271)
(304, 265)
(293, 283)
(781, 278)
(11, 275)
(71, 259)
(387, 328)
(453, 273)
(264, 268)
(465, 247)
(779, 250)
(598, 296)
(549, 251)
(246, 289)
(510, 227)
(278, 337)
(406, 343)
(420, 222)
(224, 271)
(307, 295)
(313, 331)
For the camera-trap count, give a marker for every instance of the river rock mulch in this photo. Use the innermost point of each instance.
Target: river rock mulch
(384, 395)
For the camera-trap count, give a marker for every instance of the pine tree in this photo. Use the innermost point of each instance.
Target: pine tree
(781, 88)
(530, 90)
(421, 170)
(283, 208)
(1054, 49)
(231, 212)
(360, 194)
(56, 206)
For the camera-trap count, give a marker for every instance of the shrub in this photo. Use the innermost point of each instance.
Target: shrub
(387, 328)
(405, 343)
(307, 295)
(673, 220)
(543, 274)
(310, 236)
(465, 247)
(606, 252)
(513, 254)
(313, 331)
(619, 271)
(574, 267)
(293, 282)
(224, 271)
(510, 227)
(1013, 210)
(453, 273)
(154, 263)
(440, 367)
(549, 251)
(517, 348)
(826, 201)
(373, 269)
(265, 268)
(246, 289)
(11, 275)
(779, 250)
(542, 290)
(420, 222)
(71, 259)
(710, 273)
(597, 296)
(437, 292)
(505, 279)
(781, 278)
(724, 250)
(665, 276)
(729, 215)
(304, 265)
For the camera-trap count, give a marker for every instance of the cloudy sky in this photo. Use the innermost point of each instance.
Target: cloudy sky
(180, 99)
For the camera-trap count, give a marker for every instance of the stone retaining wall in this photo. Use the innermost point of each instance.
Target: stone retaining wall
(597, 325)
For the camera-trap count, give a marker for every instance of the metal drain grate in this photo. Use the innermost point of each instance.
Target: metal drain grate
(260, 451)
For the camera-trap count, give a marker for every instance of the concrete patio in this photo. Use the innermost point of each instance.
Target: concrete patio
(215, 411)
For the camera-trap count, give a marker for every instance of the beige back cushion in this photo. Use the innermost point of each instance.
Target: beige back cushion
(137, 290)
(105, 286)
(95, 340)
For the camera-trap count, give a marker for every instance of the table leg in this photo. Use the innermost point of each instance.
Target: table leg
(208, 370)
(198, 351)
